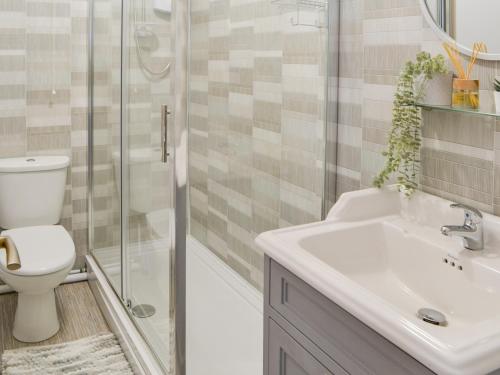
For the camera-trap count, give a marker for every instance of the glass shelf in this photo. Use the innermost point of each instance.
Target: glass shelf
(481, 111)
(301, 3)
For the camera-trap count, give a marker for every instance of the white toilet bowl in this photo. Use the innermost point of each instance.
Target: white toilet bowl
(32, 193)
(47, 255)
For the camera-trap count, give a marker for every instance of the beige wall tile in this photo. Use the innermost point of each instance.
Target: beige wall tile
(262, 116)
(459, 154)
(35, 59)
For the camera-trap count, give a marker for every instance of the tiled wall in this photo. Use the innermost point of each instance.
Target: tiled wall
(106, 125)
(459, 154)
(43, 97)
(257, 88)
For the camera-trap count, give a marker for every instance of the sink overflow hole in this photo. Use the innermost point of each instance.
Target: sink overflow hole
(432, 316)
(452, 263)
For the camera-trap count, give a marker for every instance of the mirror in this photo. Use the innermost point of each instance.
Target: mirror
(466, 22)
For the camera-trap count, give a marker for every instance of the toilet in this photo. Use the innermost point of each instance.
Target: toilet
(31, 201)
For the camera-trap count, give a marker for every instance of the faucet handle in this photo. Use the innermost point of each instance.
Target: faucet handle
(471, 213)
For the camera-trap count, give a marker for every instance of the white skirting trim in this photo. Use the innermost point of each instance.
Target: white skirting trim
(71, 278)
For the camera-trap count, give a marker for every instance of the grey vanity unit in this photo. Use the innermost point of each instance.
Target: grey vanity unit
(307, 334)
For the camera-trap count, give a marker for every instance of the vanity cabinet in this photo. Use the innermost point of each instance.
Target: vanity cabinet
(307, 334)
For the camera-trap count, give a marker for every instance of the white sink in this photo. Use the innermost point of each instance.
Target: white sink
(382, 258)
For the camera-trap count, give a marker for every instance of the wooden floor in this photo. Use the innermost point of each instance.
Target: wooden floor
(79, 316)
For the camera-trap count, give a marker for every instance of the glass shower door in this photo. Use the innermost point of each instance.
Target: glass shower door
(138, 176)
(148, 172)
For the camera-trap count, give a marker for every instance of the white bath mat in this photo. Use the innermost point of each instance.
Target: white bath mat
(93, 355)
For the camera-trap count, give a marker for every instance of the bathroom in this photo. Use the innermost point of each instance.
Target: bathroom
(251, 187)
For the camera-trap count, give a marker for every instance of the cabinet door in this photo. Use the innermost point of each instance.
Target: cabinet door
(287, 357)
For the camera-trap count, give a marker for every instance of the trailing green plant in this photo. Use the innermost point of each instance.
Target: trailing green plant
(496, 84)
(403, 151)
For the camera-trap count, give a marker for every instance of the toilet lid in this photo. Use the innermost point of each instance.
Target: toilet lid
(42, 249)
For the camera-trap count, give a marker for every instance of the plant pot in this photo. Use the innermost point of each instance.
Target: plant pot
(497, 101)
(438, 90)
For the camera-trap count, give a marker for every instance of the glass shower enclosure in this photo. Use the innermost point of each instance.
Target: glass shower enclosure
(262, 105)
(136, 160)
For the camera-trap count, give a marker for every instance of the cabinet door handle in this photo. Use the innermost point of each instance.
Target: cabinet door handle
(164, 132)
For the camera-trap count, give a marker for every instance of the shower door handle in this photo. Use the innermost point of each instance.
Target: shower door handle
(164, 132)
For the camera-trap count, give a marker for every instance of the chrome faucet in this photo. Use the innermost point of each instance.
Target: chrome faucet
(472, 229)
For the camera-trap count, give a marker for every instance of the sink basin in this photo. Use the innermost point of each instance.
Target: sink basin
(408, 272)
(383, 258)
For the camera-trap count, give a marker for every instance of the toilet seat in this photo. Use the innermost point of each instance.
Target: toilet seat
(43, 250)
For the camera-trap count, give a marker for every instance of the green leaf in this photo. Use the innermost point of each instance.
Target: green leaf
(403, 147)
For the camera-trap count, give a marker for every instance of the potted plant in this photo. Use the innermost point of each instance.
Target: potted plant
(403, 150)
(496, 86)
